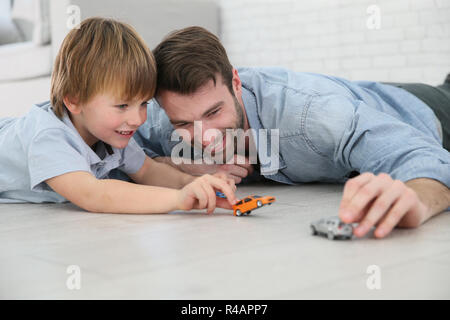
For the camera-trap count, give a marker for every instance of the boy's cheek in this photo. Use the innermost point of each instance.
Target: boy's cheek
(143, 116)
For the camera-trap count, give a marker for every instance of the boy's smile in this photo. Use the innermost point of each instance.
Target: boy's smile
(107, 119)
(125, 133)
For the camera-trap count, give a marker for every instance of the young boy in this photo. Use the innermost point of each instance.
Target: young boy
(64, 149)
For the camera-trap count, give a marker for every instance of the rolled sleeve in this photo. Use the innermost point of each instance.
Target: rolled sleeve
(358, 137)
(53, 152)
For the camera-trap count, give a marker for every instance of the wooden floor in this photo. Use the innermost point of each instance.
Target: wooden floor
(267, 255)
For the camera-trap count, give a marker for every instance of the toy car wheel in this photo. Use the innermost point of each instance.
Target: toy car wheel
(313, 231)
(248, 212)
(259, 203)
(238, 213)
(330, 235)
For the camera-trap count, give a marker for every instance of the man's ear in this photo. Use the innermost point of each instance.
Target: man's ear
(72, 105)
(236, 83)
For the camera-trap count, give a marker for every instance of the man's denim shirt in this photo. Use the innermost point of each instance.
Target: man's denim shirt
(329, 128)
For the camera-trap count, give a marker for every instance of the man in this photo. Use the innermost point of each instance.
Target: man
(384, 142)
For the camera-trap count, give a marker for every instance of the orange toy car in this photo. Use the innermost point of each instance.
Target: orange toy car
(247, 204)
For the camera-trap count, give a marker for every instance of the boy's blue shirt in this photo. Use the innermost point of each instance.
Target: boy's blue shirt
(328, 128)
(40, 146)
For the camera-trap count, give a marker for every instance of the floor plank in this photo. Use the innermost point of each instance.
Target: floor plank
(267, 255)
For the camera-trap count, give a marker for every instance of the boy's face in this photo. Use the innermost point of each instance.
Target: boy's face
(213, 107)
(108, 119)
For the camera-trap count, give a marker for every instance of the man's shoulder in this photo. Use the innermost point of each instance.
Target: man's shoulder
(289, 81)
(258, 76)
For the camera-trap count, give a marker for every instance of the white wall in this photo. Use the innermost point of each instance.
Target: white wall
(332, 37)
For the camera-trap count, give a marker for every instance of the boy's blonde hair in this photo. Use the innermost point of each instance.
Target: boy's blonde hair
(102, 56)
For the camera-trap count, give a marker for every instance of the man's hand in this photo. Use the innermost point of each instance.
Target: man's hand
(237, 168)
(383, 202)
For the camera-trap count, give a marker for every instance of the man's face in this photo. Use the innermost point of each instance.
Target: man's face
(213, 108)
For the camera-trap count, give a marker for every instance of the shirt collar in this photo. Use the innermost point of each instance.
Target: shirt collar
(250, 106)
(254, 121)
(101, 147)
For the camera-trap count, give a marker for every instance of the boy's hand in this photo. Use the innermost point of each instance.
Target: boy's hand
(201, 194)
(381, 201)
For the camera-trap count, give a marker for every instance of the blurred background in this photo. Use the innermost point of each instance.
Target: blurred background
(380, 40)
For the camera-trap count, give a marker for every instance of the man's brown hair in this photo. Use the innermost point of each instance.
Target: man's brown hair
(188, 58)
(102, 56)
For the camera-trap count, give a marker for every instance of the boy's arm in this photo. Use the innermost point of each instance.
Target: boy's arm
(113, 196)
(116, 196)
(161, 174)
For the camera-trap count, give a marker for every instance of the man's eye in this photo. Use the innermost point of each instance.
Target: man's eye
(213, 112)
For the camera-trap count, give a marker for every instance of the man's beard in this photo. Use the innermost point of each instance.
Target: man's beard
(238, 125)
(239, 114)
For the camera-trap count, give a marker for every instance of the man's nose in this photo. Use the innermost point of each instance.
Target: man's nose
(210, 136)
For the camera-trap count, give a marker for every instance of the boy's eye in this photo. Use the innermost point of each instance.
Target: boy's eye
(121, 106)
(144, 104)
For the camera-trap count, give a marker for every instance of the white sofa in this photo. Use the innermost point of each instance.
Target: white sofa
(27, 53)
(152, 19)
(25, 67)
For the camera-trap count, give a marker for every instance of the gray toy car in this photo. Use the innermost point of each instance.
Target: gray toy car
(332, 228)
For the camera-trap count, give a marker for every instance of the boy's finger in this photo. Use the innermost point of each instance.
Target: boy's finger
(223, 203)
(211, 197)
(224, 187)
(200, 195)
(236, 179)
(232, 184)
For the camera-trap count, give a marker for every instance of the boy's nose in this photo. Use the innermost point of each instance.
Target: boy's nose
(137, 118)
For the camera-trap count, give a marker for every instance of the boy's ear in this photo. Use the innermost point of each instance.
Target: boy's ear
(72, 105)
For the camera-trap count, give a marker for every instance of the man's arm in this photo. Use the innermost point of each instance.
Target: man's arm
(161, 174)
(398, 163)
(234, 170)
(385, 203)
(433, 194)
